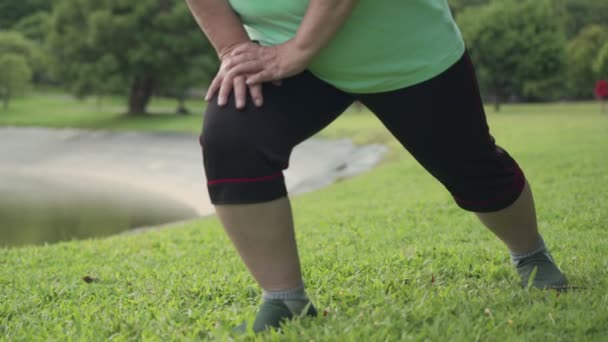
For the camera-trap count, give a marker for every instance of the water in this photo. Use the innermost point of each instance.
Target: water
(64, 184)
(38, 210)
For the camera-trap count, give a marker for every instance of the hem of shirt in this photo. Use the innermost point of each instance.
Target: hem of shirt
(421, 76)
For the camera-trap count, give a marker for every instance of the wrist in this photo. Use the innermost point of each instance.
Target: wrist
(304, 52)
(228, 48)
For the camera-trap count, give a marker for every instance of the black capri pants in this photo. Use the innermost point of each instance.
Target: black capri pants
(441, 122)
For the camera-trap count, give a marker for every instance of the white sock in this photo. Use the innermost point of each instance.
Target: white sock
(295, 299)
(540, 247)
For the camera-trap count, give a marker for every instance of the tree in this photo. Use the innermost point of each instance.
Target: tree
(20, 58)
(458, 6)
(34, 27)
(15, 43)
(12, 11)
(134, 47)
(601, 93)
(582, 54)
(200, 72)
(582, 13)
(601, 63)
(15, 75)
(518, 48)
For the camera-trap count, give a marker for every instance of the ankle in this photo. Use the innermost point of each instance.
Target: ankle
(539, 247)
(295, 299)
(297, 292)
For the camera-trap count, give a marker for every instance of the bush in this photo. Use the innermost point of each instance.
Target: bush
(15, 75)
(582, 54)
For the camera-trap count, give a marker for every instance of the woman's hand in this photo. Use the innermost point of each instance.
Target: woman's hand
(227, 82)
(249, 65)
(268, 63)
(245, 65)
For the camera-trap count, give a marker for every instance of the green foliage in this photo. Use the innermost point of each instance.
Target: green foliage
(584, 22)
(34, 27)
(371, 247)
(518, 47)
(601, 63)
(582, 54)
(577, 14)
(582, 13)
(12, 11)
(458, 6)
(19, 57)
(12, 42)
(109, 46)
(15, 42)
(15, 75)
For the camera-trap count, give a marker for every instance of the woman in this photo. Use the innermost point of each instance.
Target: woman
(289, 68)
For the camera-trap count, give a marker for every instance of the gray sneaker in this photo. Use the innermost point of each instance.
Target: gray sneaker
(272, 313)
(543, 269)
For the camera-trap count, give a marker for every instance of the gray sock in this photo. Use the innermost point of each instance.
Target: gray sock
(295, 299)
(540, 247)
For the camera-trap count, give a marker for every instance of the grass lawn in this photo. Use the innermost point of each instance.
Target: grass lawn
(387, 255)
(49, 109)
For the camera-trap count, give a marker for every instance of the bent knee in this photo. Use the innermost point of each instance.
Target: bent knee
(242, 164)
(488, 184)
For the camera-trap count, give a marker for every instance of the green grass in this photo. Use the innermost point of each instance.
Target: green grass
(47, 109)
(387, 256)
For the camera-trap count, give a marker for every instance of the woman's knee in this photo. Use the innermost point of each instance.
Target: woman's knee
(487, 184)
(242, 164)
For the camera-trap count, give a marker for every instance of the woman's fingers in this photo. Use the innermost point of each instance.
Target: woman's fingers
(255, 91)
(213, 88)
(234, 61)
(225, 85)
(250, 67)
(240, 92)
(243, 70)
(261, 77)
(225, 89)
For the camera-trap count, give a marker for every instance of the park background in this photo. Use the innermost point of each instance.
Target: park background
(430, 272)
(548, 50)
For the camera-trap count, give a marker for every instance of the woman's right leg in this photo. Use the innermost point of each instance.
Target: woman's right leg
(244, 153)
(442, 123)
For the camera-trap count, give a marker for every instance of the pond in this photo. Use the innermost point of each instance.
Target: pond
(34, 210)
(64, 184)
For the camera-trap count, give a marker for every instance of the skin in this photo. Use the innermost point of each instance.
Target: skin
(515, 225)
(263, 233)
(225, 32)
(246, 64)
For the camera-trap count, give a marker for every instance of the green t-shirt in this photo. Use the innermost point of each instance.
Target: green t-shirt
(384, 45)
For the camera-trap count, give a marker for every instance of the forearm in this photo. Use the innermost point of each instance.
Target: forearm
(219, 23)
(322, 21)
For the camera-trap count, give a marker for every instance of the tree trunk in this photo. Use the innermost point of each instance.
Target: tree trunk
(140, 95)
(181, 106)
(98, 102)
(497, 99)
(6, 95)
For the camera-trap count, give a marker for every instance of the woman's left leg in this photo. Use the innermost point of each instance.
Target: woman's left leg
(515, 225)
(245, 152)
(442, 123)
